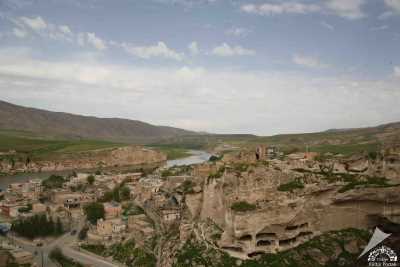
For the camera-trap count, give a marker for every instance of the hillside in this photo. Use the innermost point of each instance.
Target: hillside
(344, 141)
(69, 126)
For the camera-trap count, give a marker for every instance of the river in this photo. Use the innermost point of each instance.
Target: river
(197, 156)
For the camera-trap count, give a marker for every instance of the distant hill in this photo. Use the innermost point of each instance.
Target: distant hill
(70, 126)
(342, 141)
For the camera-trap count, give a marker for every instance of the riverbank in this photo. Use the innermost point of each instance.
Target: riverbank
(193, 157)
(172, 152)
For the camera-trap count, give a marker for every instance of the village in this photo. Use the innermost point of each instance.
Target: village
(99, 213)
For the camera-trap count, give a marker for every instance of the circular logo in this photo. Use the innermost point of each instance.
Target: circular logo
(382, 256)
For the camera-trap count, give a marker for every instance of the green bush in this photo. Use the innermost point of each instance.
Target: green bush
(37, 226)
(54, 181)
(243, 206)
(214, 158)
(94, 211)
(290, 186)
(96, 249)
(91, 179)
(369, 182)
(57, 255)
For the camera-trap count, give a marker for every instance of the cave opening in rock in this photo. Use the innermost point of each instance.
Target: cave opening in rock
(246, 238)
(255, 254)
(265, 235)
(263, 243)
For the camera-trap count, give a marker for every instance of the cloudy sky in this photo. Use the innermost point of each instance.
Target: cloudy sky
(222, 66)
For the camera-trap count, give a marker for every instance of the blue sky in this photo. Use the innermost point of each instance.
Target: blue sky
(262, 66)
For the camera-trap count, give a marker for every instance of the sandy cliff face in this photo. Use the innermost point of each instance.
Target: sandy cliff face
(117, 157)
(282, 219)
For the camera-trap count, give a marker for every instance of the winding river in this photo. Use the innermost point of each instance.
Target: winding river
(196, 156)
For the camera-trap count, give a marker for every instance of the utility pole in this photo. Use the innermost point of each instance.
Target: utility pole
(41, 252)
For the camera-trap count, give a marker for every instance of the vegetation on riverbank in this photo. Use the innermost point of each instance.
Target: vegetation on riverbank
(53, 182)
(172, 152)
(31, 147)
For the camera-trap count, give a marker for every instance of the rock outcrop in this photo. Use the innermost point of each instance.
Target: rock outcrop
(116, 157)
(275, 205)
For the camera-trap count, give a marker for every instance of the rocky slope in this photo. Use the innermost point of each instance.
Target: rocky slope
(246, 208)
(115, 157)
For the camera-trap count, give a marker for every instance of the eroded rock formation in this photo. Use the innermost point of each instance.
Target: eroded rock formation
(116, 157)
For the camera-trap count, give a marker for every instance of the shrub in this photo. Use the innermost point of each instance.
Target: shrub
(243, 206)
(54, 181)
(90, 179)
(37, 226)
(94, 211)
(214, 158)
(290, 186)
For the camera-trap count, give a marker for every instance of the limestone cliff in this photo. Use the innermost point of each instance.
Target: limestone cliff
(272, 206)
(116, 157)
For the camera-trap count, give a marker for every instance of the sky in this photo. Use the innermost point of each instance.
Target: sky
(222, 66)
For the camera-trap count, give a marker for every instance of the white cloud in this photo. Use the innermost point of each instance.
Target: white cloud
(349, 9)
(214, 100)
(225, 50)
(386, 15)
(95, 41)
(309, 62)
(280, 8)
(40, 27)
(379, 28)
(327, 25)
(396, 71)
(65, 29)
(194, 48)
(80, 38)
(158, 50)
(35, 24)
(186, 3)
(19, 33)
(394, 5)
(237, 31)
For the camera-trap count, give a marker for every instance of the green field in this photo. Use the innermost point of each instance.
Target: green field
(172, 152)
(45, 147)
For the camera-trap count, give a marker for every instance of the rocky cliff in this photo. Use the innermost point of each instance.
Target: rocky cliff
(270, 206)
(116, 157)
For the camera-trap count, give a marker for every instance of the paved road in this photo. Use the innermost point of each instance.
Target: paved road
(86, 258)
(42, 253)
(65, 243)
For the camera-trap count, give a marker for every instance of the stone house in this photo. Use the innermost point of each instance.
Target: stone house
(112, 209)
(109, 228)
(38, 208)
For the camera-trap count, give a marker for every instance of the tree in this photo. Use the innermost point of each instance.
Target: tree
(125, 193)
(59, 228)
(54, 181)
(90, 179)
(83, 233)
(51, 227)
(116, 196)
(94, 211)
(35, 226)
